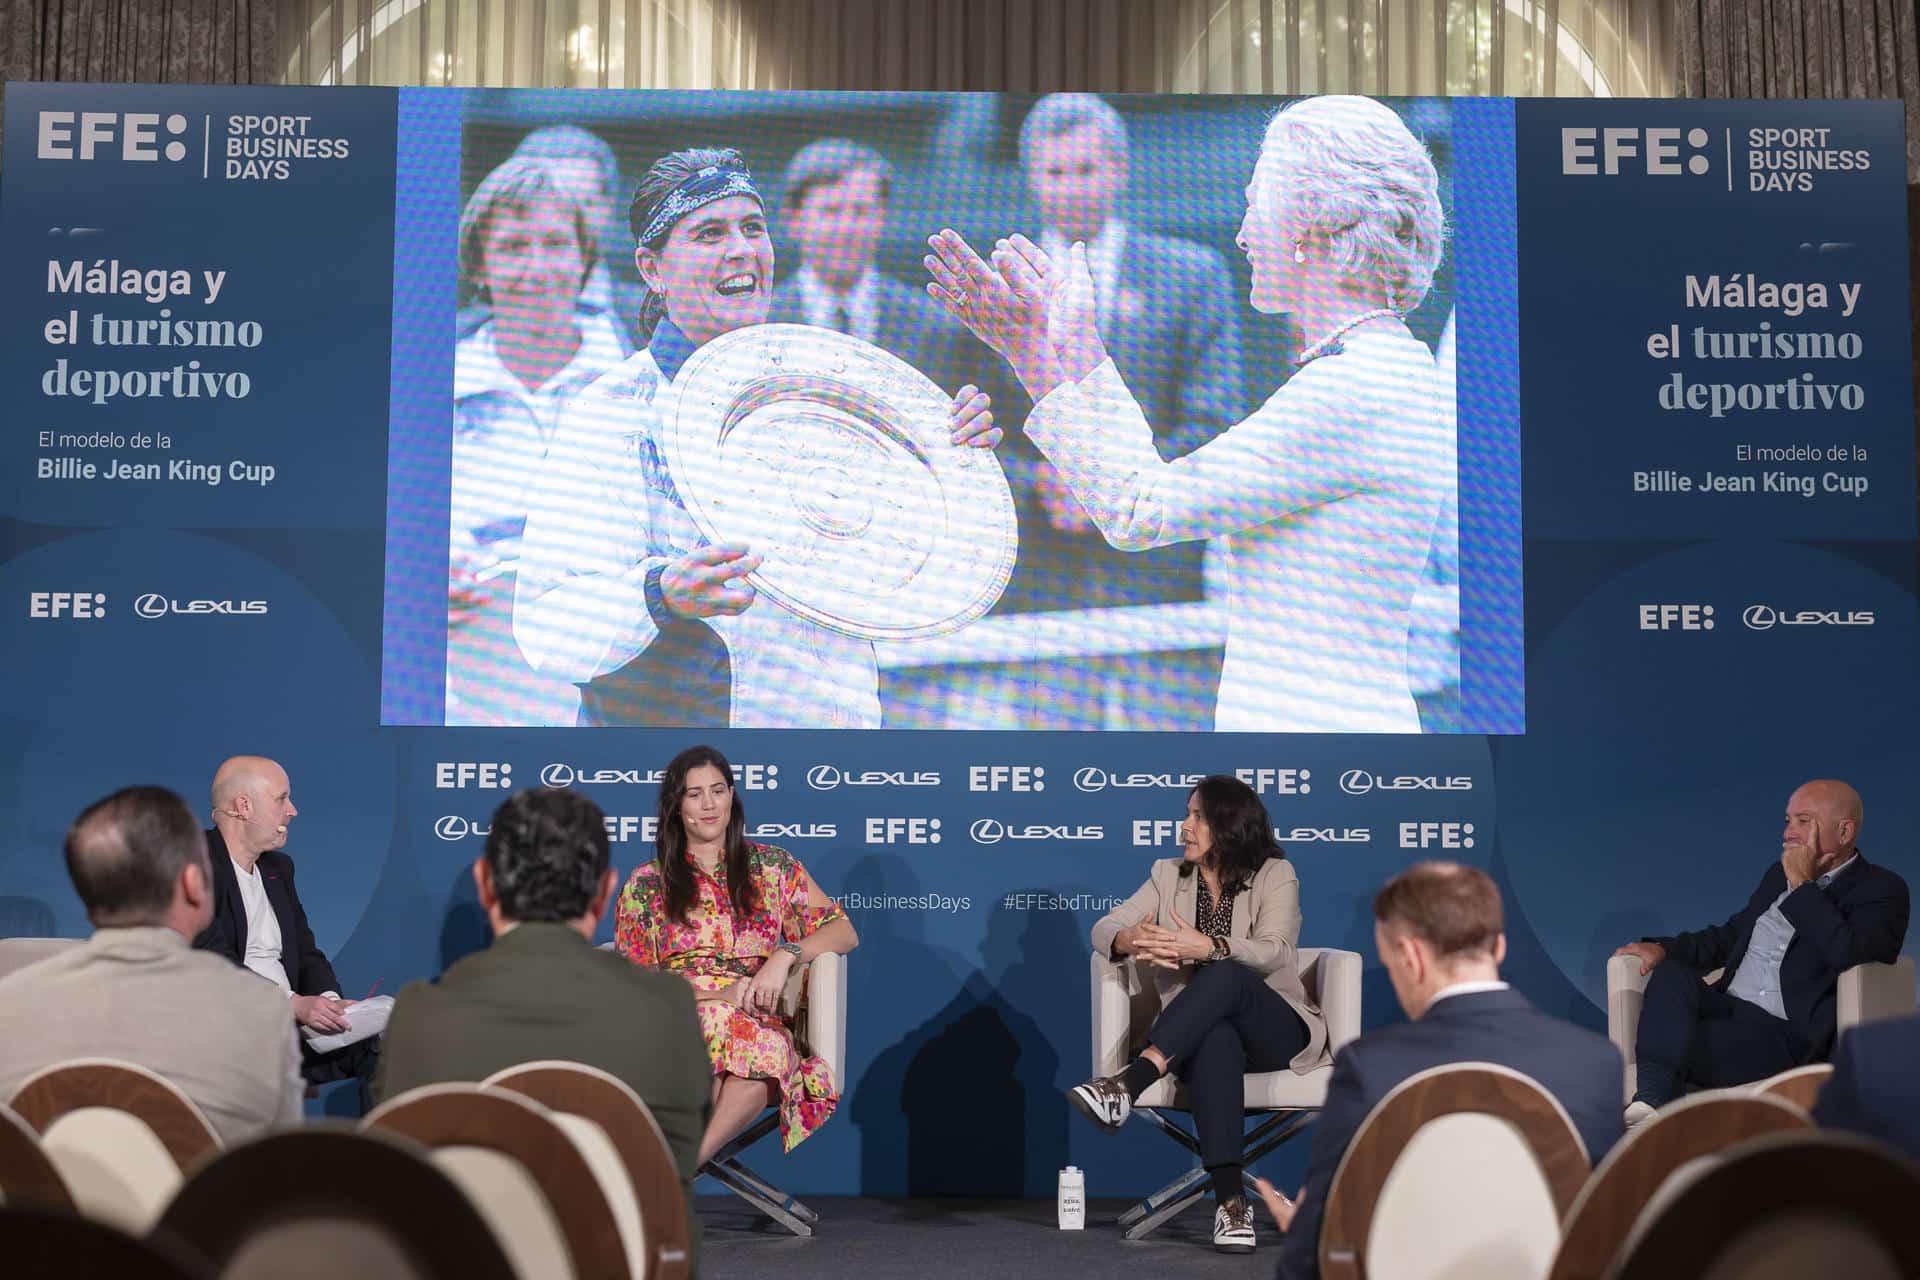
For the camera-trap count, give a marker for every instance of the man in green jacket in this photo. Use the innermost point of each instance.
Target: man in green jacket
(543, 991)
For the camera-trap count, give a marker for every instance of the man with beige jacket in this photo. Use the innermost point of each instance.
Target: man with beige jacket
(137, 991)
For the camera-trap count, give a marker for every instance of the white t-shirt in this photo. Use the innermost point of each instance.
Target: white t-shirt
(263, 928)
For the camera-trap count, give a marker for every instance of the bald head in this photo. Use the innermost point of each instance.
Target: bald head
(1824, 813)
(252, 804)
(138, 858)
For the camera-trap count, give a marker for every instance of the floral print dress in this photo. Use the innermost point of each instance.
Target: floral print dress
(713, 949)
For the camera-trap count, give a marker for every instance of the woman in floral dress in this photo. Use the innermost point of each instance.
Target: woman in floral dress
(734, 918)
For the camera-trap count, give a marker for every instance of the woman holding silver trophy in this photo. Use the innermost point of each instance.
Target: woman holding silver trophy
(705, 540)
(1327, 496)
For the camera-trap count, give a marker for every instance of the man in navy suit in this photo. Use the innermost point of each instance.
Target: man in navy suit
(836, 195)
(1819, 911)
(1438, 926)
(1874, 1090)
(1165, 309)
(258, 921)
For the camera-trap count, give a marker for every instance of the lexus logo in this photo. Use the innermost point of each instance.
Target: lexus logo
(823, 777)
(151, 605)
(1758, 616)
(455, 827)
(1356, 782)
(988, 831)
(557, 775)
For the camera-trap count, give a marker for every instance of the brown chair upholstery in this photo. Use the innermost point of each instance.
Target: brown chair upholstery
(1437, 1095)
(621, 1114)
(28, 1178)
(1704, 1124)
(1784, 1207)
(328, 1202)
(1801, 1086)
(122, 1137)
(41, 1244)
(459, 1120)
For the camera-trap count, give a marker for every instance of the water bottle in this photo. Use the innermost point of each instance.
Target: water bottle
(1073, 1199)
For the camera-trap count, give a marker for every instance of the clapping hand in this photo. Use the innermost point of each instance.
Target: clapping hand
(970, 419)
(1278, 1205)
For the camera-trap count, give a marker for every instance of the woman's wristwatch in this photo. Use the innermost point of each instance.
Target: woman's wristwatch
(1219, 950)
(792, 949)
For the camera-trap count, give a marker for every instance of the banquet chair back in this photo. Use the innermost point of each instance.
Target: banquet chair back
(325, 1202)
(1462, 1170)
(1783, 1207)
(522, 1169)
(46, 1244)
(650, 1204)
(122, 1137)
(28, 1177)
(1800, 1085)
(1696, 1127)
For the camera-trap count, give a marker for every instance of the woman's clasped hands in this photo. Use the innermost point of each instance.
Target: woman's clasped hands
(1170, 946)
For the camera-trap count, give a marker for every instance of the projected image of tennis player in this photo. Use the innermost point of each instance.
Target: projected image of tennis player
(1327, 495)
(619, 591)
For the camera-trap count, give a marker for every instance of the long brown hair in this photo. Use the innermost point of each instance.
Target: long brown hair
(1242, 832)
(670, 840)
(662, 177)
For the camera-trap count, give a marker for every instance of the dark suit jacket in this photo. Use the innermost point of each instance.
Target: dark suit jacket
(1860, 917)
(912, 326)
(1581, 1068)
(308, 970)
(1172, 336)
(543, 991)
(1874, 1089)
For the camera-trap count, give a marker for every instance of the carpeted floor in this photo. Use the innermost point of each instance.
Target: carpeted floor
(932, 1239)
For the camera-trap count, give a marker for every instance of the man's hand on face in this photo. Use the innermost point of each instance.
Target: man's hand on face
(320, 1013)
(1801, 859)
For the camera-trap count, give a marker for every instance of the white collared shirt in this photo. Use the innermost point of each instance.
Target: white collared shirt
(1472, 988)
(262, 954)
(860, 304)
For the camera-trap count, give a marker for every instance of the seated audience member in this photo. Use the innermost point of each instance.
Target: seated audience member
(1820, 910)
(542, 990)
(1216, 929)
(1438, 926)
(1874, 1089)
(735, 919)
(258, 921)
(137, 992)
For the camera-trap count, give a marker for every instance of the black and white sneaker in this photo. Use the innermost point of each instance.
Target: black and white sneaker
(1233, 1226)
(1102, 1100)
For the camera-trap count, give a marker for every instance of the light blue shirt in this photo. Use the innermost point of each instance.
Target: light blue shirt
(1758, 979)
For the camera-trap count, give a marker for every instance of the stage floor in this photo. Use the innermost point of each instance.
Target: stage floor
(933, 1239)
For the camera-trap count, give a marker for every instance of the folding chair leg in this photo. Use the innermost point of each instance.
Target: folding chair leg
(1165, 1204)
(1171, 1200)
(765, 1189)
(778, 1207)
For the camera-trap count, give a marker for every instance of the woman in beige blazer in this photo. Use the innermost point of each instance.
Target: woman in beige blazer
(1213, 935)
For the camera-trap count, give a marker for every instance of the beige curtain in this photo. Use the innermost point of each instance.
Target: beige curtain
(140, 41)
(1802, 49)
(1520, 47)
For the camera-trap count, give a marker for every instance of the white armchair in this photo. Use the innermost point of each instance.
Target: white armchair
(1867, 993)
(1287, 1100)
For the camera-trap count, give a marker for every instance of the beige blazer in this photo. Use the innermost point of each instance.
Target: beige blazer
(1265, 932)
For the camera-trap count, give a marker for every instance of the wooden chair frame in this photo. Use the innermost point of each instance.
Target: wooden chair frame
(329, 1170)
(605, 1099)
(28, 1178)
(1799, 1085)
(1596, 1227)
(1470, 1087)
(156, 1102)
(465, 1115)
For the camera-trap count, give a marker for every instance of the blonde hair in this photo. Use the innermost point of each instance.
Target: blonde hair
(1369, 189)
(528, 185)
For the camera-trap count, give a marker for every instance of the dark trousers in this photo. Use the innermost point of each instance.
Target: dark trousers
(355, 1062)
(1693, 1035)
(1226, 1023)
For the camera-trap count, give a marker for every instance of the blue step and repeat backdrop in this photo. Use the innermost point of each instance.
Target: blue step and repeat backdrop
(272, 487)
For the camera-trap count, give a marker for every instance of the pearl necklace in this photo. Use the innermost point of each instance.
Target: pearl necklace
(1331, 345)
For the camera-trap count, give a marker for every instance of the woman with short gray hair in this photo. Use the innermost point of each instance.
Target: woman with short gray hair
(1328, 494)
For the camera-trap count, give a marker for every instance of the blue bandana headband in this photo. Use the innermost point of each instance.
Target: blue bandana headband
(701, 189)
